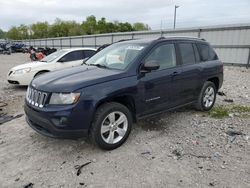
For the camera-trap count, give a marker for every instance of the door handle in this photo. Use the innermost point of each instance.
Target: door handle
(175, 73)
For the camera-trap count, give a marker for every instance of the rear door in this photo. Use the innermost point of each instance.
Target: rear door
(191, 72)
(71, 59)
(89, 53)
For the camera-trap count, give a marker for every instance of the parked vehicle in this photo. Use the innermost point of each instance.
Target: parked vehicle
(23, 74)
(121, 84)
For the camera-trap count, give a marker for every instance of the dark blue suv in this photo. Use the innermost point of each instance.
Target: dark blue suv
(124, 82)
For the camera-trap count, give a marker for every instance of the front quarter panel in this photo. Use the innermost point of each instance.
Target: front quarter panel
(93, 96)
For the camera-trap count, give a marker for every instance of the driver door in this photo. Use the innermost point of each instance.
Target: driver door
(71, 59)
(158, 87)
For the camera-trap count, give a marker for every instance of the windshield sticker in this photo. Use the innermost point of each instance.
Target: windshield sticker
(134, 47)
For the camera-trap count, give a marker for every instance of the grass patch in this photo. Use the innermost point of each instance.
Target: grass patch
(240, 109)
(224, 111)
(219, 112)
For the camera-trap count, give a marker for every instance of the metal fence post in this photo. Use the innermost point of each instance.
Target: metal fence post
(132, 35)
(112, 38)
(70, 42)
(199, 33)
(248, 62)
(52, 43)
(95, 40)
(61, 43)
(82, 42)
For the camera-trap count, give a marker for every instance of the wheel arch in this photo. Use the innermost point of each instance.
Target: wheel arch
(216, 82)
(125, 100)
(41, 71)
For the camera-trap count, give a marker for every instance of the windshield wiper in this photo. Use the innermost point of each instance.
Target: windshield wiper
(98, 65)
(84, 61)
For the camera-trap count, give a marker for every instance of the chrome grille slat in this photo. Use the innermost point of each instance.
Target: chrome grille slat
(36, 98)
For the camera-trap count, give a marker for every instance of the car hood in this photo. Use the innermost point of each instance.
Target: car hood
(32, 64)
(75, 78)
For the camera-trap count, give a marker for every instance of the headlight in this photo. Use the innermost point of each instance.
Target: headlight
(22, 71)
(64, 98)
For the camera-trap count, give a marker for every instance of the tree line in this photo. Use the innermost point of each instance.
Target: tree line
(61, 28)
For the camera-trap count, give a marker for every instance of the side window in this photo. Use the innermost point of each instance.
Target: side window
(187, 53)
(164, 55)
(73, 56)
(196, 53)
(89, 53)
(207, 53)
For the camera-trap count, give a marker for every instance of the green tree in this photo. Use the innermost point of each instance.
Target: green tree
(13, 33)
(40, 30)
(2, 34)
(138, 26)
(90, 25)
(23, 31)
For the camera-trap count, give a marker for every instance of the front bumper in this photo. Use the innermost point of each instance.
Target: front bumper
(44, 123)
(22, 79)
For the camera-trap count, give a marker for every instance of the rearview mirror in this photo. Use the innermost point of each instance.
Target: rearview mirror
(150, 66)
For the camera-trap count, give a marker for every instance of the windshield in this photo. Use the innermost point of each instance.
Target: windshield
(116, 56)
(53, 56)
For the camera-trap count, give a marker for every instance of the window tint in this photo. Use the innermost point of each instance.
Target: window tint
(74, 56)
(207, 53)
(89, 53)
(164, 55)
(196, 53)
(187, 53)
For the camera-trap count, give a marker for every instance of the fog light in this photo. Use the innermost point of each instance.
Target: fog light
(61, 122)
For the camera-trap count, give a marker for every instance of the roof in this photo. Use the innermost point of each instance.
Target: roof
(74, 49)
(142, 41)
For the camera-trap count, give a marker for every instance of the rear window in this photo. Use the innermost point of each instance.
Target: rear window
(187, 53)
(74, 56)
(207, 53)
(89, 53)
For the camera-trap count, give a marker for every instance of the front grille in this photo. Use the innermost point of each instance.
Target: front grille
(36, 98)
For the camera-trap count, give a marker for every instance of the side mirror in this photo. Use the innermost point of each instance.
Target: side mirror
(150, 66)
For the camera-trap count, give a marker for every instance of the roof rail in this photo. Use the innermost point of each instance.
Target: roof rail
(161, 38)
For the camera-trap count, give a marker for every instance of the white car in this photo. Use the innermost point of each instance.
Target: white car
(65, 58)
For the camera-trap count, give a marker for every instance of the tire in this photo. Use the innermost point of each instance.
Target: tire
(104, 115)
(207, 97)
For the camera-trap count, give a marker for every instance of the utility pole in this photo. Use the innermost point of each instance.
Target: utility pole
(175, 7)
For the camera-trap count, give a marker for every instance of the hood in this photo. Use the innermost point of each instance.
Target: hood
(75, 78)
(32, 64)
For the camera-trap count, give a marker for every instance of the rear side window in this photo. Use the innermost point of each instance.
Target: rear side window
(187, 53)
(207, 53)
(74, 56)
(89, 53)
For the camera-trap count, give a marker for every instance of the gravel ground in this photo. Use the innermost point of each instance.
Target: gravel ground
(184, 148)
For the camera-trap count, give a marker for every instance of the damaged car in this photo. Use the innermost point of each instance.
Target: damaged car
(120, 85)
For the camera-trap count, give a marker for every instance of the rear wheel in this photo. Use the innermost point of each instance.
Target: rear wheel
(111, 126)
(207, 97)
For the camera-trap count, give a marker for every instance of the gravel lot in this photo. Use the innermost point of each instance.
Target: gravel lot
(185, 148)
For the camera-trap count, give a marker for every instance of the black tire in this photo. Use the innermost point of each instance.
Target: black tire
(200, 104)
(102, 114)
(40, 73)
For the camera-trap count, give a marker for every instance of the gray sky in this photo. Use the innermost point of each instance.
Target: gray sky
(191, 13)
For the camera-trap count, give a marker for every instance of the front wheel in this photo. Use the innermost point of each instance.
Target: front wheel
(207, 97)
(111, 126)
